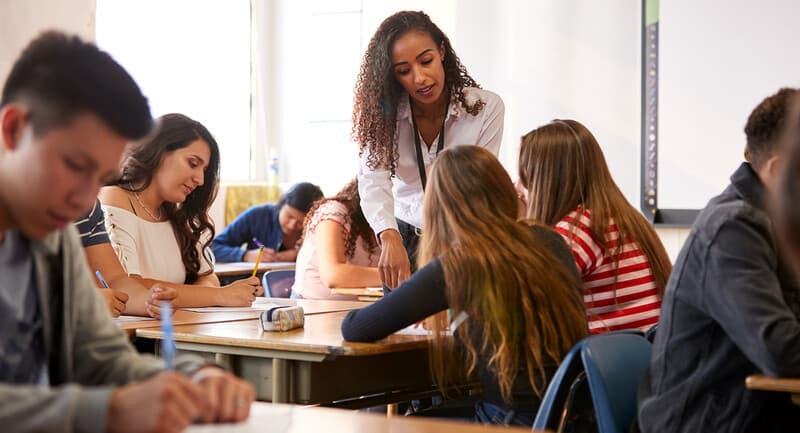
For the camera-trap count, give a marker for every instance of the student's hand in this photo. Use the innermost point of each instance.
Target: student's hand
(252, 255)
(115, 300)
(167, 402)
(229, 397)
(241, 293)
(285, 256)
(155, 296)
(393, 265)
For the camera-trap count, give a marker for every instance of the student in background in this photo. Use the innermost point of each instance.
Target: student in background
(338, 248)
(512, 289)
(732, 304)
(413, 99)
(276, 226)
(622, 262)
(157, 215)
(124, 294)
(66, 113)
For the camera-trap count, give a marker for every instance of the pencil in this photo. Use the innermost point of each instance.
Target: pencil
(258, 260)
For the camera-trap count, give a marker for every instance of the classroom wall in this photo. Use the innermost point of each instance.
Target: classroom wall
(21, 20)
(534, 54)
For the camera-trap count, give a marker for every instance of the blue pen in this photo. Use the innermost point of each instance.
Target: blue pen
(100, 277)
(168, 341)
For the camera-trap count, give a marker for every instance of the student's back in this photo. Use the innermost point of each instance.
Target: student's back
(512, 289)
(622, 262)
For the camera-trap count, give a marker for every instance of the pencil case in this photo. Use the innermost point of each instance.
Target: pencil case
(282, 318)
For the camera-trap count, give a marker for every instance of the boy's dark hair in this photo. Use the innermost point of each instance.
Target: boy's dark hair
(301, 196)
(765, 125)
(61, 76)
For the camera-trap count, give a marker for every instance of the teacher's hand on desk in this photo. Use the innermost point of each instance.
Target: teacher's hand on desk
(116, 300)
(155, 296)
(167, 402)
(393, 265)
(241, 293)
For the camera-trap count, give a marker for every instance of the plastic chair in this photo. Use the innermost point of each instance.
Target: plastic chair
(278, 284)
(612, 364)
(650, 335)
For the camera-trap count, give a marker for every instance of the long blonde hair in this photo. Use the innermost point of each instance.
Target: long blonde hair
(519, 298)
(563, 168)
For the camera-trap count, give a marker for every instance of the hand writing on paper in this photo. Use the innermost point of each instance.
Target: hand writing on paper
(241, 293)
(229, 397)
(155, 296)
(252, 255)
(393, 264)
(167, 402)
(115, 300)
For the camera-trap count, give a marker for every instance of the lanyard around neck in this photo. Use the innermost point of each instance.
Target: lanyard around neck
(420, 164)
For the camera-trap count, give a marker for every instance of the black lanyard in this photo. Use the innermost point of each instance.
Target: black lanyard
(420, 164)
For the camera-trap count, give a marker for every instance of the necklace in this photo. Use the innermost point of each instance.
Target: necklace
(138, 199)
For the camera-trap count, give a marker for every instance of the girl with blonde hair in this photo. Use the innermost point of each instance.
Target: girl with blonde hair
(622, 262)
(512, 289)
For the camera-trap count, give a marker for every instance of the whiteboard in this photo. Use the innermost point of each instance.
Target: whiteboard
(717, 60)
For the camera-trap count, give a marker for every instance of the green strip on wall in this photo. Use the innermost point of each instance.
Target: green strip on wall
(651, 12)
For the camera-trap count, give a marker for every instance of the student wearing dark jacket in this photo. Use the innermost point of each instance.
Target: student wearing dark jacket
(731, 306)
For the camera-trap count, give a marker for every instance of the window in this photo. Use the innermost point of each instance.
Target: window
(190, 57)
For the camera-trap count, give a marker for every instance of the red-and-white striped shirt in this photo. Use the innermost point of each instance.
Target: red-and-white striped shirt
(630, 303)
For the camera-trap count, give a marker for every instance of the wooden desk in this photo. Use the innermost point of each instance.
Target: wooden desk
(183, 317)
(312, 364)
(238, 269)
(267, 417)
(766, 383)
(362, 293)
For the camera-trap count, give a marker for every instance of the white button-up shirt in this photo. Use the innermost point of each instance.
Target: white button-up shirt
(384, 197)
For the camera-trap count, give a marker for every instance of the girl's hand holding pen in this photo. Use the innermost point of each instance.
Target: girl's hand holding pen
(241, 293)
(116, 300)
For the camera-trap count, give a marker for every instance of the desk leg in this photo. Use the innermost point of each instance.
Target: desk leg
(280, 381)
(225, 361)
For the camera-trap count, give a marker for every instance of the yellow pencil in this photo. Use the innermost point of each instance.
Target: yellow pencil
(258, 260)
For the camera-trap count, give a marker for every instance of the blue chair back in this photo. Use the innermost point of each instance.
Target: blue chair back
(650, 335)
(615, 363)
(278, 284)
(612, 364)
(555, 397)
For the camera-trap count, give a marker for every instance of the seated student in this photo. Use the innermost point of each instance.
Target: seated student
(157, 215)
(787, 204)
(123, 294)
(276, 226)
(66, 113)
(513, 289)
(338, 248)
(569, 187)
(731, 306)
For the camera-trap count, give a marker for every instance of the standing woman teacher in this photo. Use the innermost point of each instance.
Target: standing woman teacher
(413, 98)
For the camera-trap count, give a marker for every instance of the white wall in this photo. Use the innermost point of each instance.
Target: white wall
(22, 20)
(547, 59)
